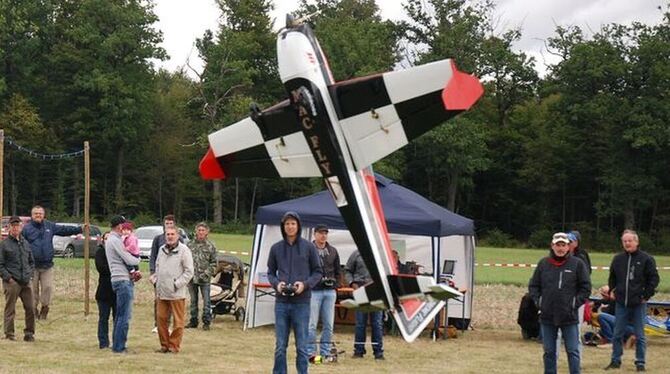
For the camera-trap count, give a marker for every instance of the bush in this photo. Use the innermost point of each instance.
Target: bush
(499, 239)
(607, 241)
(540, 238)
(232, 227)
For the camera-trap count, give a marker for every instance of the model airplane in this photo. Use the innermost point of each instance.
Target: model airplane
(336, 131)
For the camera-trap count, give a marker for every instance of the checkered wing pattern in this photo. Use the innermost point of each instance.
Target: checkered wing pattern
(381, 113)
(270, 146)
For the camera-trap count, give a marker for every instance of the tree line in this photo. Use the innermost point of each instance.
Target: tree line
(585, 146)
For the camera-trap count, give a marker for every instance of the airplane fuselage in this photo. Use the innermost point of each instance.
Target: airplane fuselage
(306, 76)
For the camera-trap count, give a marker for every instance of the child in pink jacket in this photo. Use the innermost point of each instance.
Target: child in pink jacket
(132, 246)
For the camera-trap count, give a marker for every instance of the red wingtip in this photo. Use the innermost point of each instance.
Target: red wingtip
(462, 91)
(210, 167)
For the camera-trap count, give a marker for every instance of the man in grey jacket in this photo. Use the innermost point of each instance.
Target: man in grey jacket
(357, 275)
(119, 259)
(174, 269)
(16, 269)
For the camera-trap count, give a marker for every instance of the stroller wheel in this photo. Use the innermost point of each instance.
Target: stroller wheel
(239, 314)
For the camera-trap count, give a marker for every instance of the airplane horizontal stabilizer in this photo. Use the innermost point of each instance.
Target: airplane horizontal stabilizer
(419, 286)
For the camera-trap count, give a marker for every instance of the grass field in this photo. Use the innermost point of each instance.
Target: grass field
(483, 275)
(67, 342)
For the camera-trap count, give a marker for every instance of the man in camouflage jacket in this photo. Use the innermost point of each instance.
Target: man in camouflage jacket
(204, 263)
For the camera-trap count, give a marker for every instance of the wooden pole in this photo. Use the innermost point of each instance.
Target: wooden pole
(2, 170)
(87, 228)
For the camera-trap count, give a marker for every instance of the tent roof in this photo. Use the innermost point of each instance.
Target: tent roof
(406, 212)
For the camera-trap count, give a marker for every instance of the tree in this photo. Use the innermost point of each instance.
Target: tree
(239, 68)
(100, 79)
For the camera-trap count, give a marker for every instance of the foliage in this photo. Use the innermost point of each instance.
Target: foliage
(586, 146)
(497, 238)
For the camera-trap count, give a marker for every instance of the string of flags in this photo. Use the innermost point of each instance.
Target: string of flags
(42, 156)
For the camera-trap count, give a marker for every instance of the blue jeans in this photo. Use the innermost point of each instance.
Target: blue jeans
(570, 337)
(206, 301)
(124, 309)
(606, 322)
(104, 310)
(289, 315)
(377, 327)
(322, 304)
(636, 315)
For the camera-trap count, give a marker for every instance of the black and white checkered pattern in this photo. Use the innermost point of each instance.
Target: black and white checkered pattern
(378, 114)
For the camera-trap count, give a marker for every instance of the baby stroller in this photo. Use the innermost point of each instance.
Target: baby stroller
(227, 288)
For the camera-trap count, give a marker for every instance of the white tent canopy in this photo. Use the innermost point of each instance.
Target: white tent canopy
(420, 231)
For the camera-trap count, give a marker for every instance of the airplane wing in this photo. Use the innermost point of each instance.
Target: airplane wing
(381, 113)
(267, 144)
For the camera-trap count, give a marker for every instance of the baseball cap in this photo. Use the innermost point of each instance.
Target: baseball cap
(560, 237)
(14, 219)
(321, 227)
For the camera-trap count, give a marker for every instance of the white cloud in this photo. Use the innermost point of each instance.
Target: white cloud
(184, 21)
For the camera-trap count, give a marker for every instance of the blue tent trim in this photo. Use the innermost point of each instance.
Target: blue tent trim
(406, 212)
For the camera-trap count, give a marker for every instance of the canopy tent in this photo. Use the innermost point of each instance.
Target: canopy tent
(420, 230)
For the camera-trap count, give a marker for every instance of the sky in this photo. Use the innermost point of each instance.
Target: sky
(183, 21)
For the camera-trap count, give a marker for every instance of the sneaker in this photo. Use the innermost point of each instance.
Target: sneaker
(28, 338)
(191, 326)
(205, 327)
(640, 368)
(380, 358)
(10, 337)
(357, 355)
(155, 330)
(613, 365)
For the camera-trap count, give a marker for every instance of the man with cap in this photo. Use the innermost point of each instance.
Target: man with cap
(576, 249)
(559, 286)
(39, 233)
(16, 269)
(119, 259)
(203, 252)
(294, 269)
(324, 295)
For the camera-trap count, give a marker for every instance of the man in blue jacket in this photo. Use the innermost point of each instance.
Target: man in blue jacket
(294, 268)
(633, 280)
(39, 233)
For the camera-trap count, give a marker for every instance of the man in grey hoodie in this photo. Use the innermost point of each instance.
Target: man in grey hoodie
(118, 259)
(294, 268)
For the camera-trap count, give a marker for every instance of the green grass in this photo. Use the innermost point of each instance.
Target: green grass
(483, 275)
(520, 276)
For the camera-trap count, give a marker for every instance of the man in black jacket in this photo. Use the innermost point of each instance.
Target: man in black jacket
(16, 268)
(633, 280)
(559, 286)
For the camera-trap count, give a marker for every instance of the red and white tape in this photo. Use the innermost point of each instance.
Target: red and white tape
(496, 265)
(236, 253)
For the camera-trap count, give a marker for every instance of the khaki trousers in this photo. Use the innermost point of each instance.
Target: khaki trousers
(43, 283)
(14, 291)
(165, 308)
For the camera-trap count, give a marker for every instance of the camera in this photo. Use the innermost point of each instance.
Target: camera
(289, 290)
(328, 282)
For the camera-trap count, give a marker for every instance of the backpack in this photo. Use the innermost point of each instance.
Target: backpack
(528, 318)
